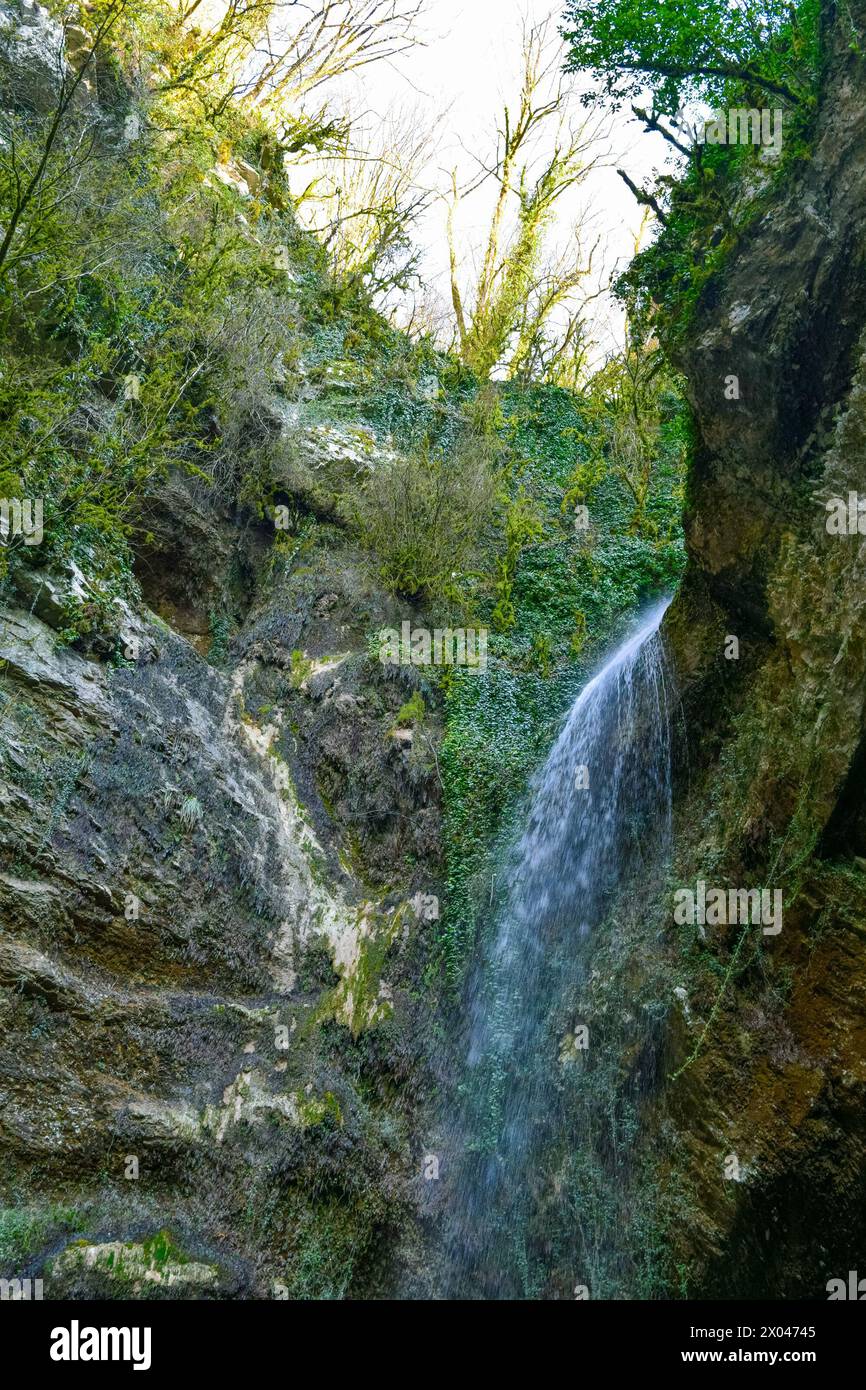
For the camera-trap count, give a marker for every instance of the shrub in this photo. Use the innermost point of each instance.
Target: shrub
(425, 518)
(412, 713)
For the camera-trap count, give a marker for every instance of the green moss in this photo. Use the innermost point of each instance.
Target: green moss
(161, 1249)
(24, 1229)
(569, 597)
(412, 713)
(300, 669)
(315, 1110)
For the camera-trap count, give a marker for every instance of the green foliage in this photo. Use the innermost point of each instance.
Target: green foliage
(522, 528)
(424, 516)
(664, 283)
(220, 631)
(748, 55)
(300, 669)
(24, 1229)
(412, 713)
(578, 637)
(542, 653)
(633, 425)
(694, 49)
(162, 1249)
(190, 813)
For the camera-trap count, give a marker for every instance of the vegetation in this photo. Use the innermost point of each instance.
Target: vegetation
(24, 1229)
(730, 57)
(696, 49)
(364, 197)
(511, 319)
(165, 316)
(425, 517)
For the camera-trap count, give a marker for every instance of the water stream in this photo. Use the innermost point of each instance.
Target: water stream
(599, 814)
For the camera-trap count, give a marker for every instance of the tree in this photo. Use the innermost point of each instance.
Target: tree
(335, 38)
(515, 293)
(686, 49)
(556, 352)
(271, 54)
(425, 517)
(627, 390)
(631, 406)
(366, 196)
(35, 174)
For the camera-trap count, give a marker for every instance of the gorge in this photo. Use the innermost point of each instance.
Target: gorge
(328, 976)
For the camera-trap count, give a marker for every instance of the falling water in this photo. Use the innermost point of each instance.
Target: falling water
(599, 815)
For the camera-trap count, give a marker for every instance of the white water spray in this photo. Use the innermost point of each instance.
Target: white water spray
(599, 815)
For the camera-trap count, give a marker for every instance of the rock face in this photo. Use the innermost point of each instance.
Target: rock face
(219, 880)
(210, 938)
(775, 1066)
(31, 42)
(220, 846)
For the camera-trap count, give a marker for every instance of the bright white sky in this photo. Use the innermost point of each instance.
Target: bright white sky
(468, 66)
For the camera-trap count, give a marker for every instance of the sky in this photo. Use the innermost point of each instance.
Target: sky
(468, 65)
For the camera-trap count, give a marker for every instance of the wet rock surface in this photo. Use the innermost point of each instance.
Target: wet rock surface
(768, 1061)
(209, 939)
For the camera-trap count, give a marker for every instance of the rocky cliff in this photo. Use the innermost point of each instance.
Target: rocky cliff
(228, 1025)
(220, 850)
(212, 941)
(768, 1052)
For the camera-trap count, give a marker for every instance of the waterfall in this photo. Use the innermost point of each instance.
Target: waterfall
(599, 815)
